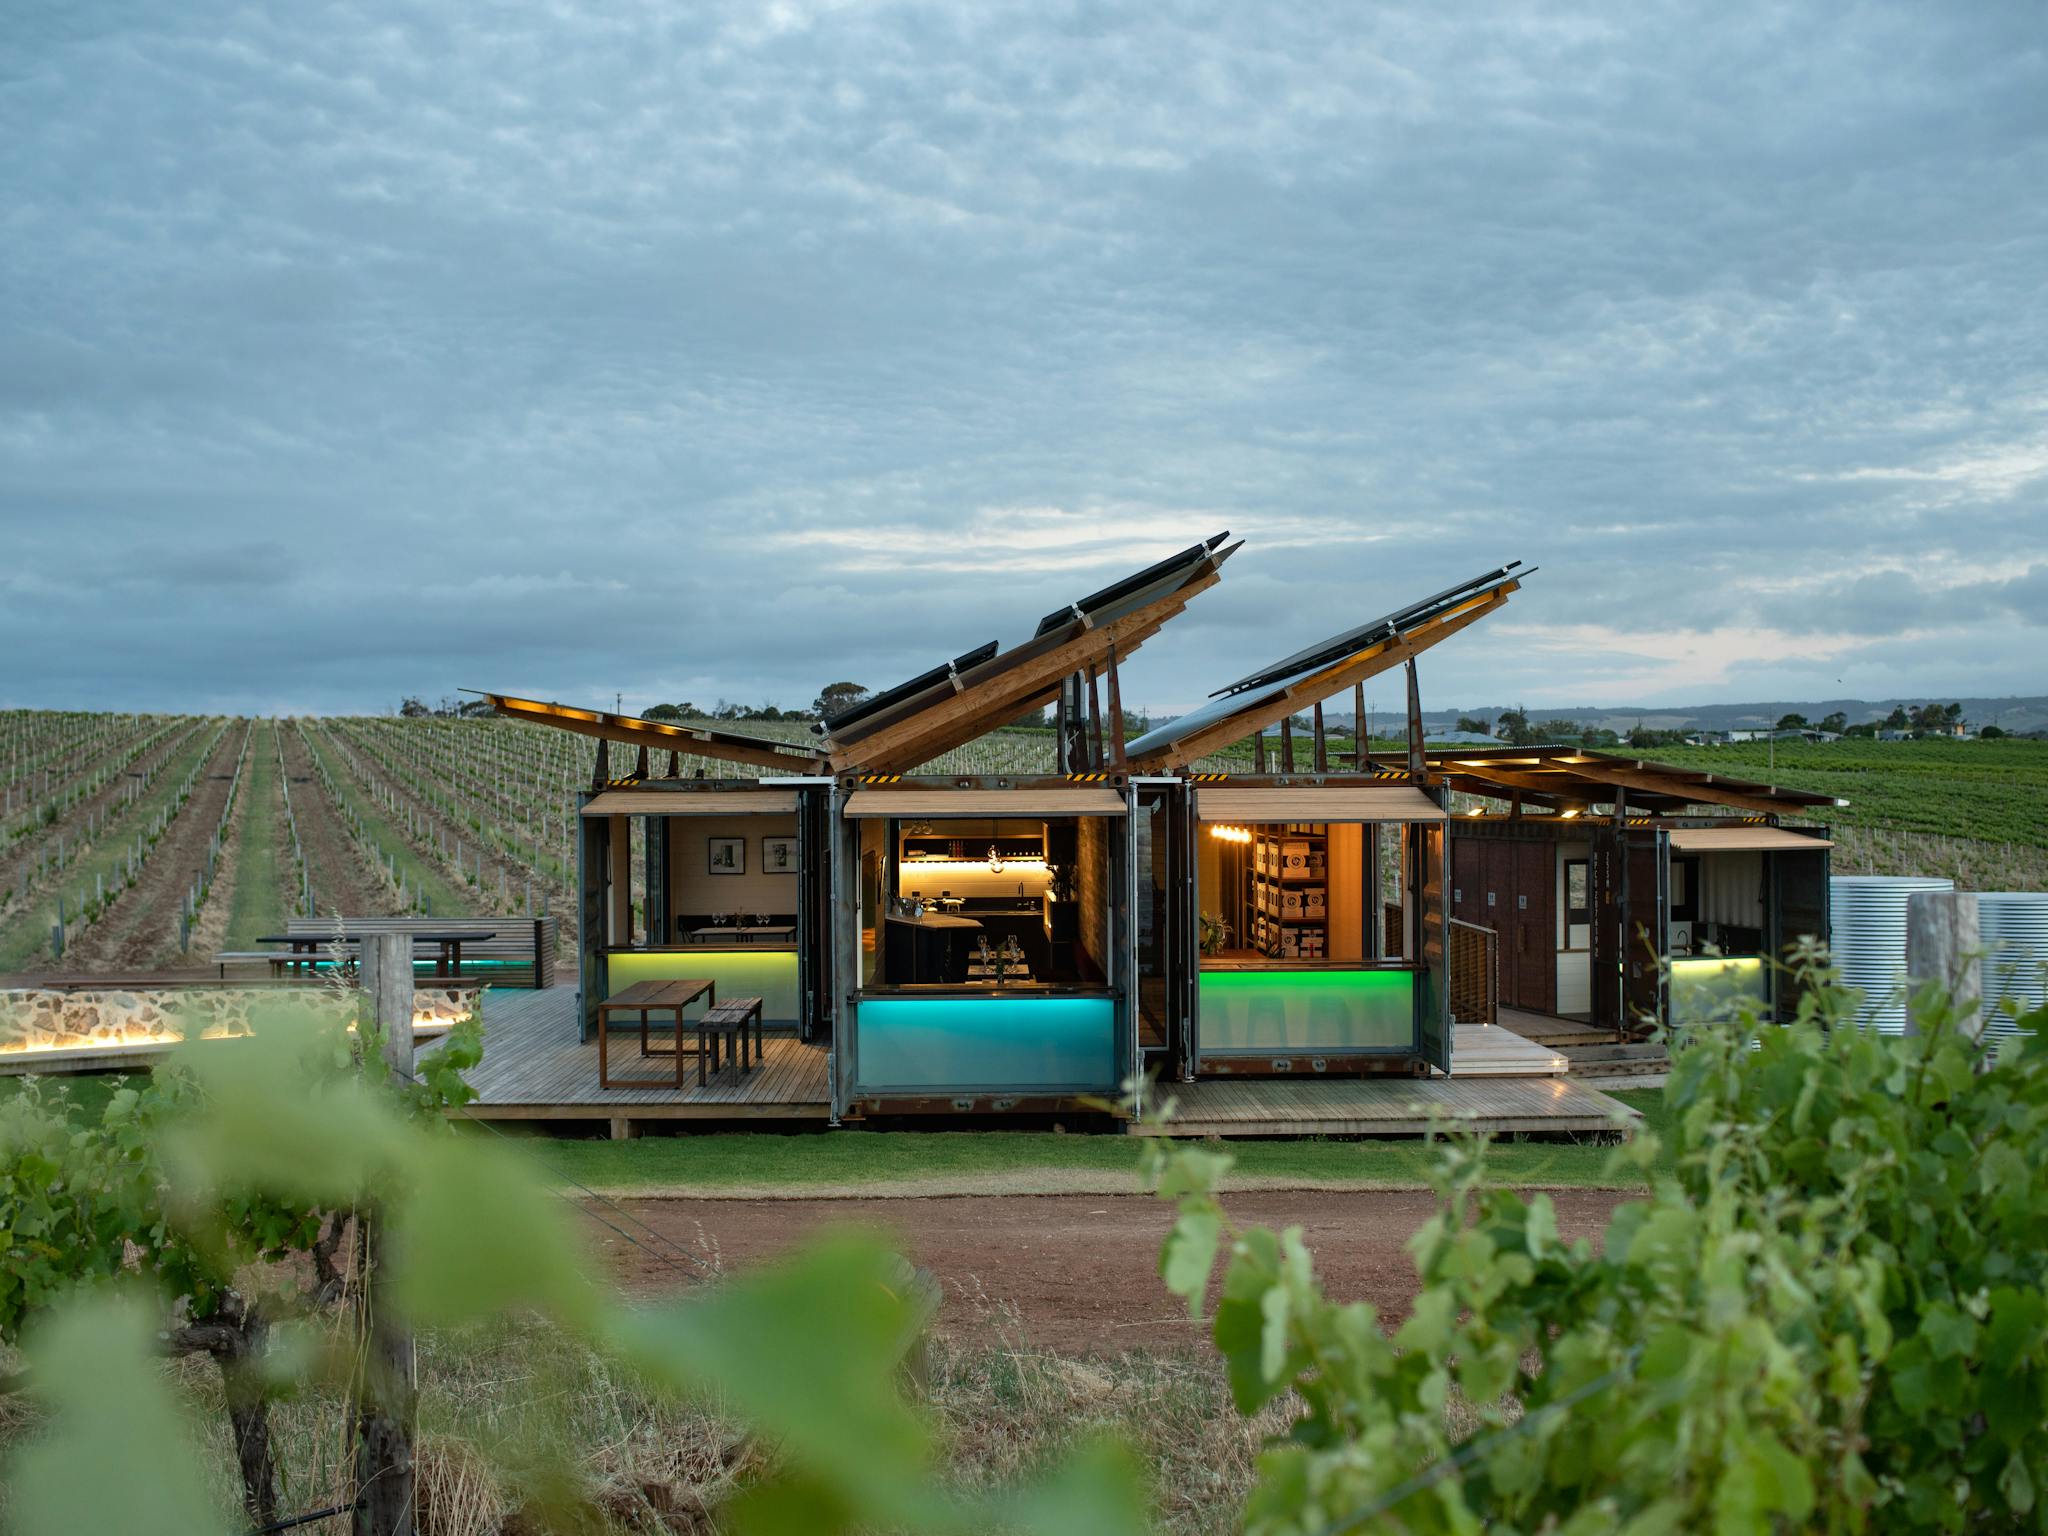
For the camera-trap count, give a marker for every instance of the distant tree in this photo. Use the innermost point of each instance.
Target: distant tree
(1478, 725)
(1558, 730)
(667, 712)
(1792, 722)
(1898, 719)
(1513, 726)
(835, 698)
(413, 709)
(1932, 717)
(473, 709)
(1837, 722)
(1992, 733)
(1865, 729)
(1600, 736)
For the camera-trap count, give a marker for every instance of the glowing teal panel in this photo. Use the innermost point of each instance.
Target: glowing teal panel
(1716, 987)
(1008, 1044)
(769, 974)
(1258, 1012)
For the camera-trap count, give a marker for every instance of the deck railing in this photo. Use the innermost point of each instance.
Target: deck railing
(1475, 973)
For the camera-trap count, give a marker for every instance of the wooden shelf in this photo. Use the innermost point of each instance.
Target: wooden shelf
(1271, 873)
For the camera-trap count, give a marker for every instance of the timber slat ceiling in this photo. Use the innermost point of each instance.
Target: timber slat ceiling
(1056, 800)
(705, 802)
(1325, 802)
(1741, 840)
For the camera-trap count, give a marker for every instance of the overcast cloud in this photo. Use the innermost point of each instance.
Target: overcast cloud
(683, 351)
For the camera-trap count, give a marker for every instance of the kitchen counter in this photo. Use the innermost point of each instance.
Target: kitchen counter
(935, 920)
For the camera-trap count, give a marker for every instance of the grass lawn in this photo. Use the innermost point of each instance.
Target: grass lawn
(928, 1162)
(824, 1164)
(259, 905)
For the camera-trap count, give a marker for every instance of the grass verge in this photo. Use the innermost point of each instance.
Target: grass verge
(819, 1165)
(259, 904)
(822, 1165)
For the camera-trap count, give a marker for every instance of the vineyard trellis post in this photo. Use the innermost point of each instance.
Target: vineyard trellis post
(1944, 946)
(387, 1394)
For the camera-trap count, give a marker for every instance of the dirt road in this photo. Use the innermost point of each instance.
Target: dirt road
(1076, 1273)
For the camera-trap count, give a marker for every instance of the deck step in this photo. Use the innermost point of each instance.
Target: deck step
(1618, 1060)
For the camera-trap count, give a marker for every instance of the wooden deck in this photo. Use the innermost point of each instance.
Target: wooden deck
(534, 1068)
(1389, 1106)
(1493, 1050)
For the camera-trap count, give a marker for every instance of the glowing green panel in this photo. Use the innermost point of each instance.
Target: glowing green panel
(1712, 988)
(1008, 1044)
(1259, 1012)
(769, 974)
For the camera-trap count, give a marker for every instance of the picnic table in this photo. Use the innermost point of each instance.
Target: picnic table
(643, 998)
(306, 948)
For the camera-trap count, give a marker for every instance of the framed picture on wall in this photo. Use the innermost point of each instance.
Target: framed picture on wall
(778, 855)
(728, 855)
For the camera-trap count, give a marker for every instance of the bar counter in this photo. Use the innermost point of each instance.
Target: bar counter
(766, 971)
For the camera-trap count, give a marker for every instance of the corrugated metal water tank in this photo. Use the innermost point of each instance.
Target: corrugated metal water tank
(2014, 928)
(1868, 938)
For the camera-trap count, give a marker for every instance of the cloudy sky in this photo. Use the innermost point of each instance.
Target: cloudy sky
(683, 351)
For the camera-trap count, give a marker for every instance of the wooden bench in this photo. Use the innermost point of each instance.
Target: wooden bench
(524, 945)
(729, 1020)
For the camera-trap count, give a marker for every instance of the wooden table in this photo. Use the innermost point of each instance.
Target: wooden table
(643, 998)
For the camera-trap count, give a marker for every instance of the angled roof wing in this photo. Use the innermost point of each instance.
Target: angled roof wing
(1272, 693)
(1337, 647)
(696, 740)
(1573, 776)
(951, 705)
(937, 681)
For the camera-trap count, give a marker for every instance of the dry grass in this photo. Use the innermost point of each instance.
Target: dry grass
(524, 1430)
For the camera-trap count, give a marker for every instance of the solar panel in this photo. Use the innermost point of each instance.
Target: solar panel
(1097, 608)
(924, 682)
(1328, 652)
(1131, 586)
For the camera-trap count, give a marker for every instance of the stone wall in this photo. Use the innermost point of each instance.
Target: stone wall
(36, 1021)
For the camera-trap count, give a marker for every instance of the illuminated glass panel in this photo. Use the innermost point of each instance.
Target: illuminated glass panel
(769, 974)
(1011, 1044)
(1713, 987)
(1258, 1012)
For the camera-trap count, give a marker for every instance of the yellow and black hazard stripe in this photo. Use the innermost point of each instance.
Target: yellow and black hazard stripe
(1207, 778)
(881, 778)
(1088, 778)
